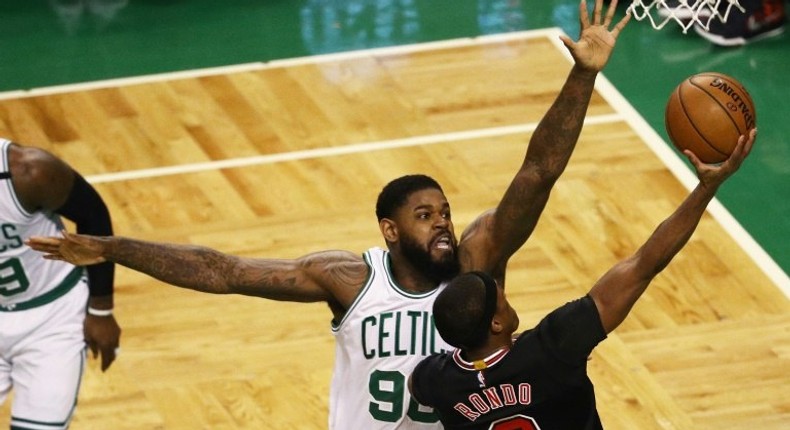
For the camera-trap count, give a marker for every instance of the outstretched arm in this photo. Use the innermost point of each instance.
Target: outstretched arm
(550, 148)
(617, 291)
(321, 276)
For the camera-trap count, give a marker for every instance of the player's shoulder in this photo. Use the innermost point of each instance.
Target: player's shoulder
(341, 255)
(478, 226)
(342, 273)
(477, 249)
(336, 261)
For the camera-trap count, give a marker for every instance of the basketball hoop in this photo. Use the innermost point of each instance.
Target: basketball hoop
(685, 13)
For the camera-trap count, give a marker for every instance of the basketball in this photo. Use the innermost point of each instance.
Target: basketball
(707, 113)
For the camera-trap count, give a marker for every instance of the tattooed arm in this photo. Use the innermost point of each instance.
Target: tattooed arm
(331, 276)
(495, 236)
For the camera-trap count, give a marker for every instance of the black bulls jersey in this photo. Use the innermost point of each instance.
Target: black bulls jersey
(540, 383)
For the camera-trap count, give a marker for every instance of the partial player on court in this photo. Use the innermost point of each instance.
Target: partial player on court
(45, 324)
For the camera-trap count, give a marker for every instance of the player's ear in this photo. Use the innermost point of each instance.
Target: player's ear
(497, 326)
(388, 229)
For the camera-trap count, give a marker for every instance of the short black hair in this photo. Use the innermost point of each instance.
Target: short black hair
(463, 311)
(395, 193)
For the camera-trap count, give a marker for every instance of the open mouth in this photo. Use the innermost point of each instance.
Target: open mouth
(443, 242)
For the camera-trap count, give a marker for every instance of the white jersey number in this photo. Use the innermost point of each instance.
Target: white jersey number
(388, 388)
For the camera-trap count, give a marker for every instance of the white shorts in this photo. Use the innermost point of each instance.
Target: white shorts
(42, 357)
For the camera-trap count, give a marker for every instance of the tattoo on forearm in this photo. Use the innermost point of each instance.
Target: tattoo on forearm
(191, 267)
(562, 124)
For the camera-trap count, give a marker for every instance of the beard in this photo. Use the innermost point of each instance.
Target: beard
(439, 270)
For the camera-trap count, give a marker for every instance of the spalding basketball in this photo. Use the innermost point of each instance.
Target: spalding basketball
(707, 113)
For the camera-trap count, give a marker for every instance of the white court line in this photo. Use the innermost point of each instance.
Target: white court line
(625, 111)
(356, 148)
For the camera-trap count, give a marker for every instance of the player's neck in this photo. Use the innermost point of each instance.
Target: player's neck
(488, 350)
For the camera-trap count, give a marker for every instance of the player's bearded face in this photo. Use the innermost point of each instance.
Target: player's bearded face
(442, 267)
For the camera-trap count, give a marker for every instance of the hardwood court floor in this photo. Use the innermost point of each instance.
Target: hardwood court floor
(283, 159)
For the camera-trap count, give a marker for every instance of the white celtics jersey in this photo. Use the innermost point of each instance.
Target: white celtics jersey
(383, 335)
(26, 278)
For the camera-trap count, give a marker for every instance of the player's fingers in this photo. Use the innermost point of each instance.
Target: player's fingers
(737, 152)
(741, 149)
(693, 158)
(584, 18)
(567, 42)
(750, 141)
(620, 25)
(107, 357)
(597, 12)
(610, 13)
(49, 253)
(40, 241)
(93, 348)
(46, 250)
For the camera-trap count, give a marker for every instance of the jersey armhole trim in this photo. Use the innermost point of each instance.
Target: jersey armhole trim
(368, 282)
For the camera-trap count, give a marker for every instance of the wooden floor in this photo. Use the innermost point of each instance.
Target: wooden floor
(306, 147)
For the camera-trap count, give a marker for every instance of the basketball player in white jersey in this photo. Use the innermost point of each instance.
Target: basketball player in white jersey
(381, 302)
(44, 321)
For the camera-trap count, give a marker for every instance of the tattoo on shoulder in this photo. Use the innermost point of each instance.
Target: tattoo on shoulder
(342, 268)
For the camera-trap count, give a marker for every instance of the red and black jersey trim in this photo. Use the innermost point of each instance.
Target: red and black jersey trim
(487, 362)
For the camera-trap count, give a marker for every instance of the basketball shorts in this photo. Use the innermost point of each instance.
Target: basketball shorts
(42, 357)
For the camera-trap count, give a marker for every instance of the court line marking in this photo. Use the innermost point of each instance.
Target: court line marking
(625, 111)
(356, 148)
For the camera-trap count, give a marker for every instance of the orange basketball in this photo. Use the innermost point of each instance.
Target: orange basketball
(707, 113)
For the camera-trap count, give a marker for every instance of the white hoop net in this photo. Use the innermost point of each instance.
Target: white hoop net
(685, 13)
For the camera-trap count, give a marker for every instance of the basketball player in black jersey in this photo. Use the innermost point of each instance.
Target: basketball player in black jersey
(538, 380)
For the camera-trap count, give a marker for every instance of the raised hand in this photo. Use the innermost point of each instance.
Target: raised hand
(596, 41)
(79, 250)
(715, 174)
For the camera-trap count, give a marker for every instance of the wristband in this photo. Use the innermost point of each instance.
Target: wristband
(99, 312)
